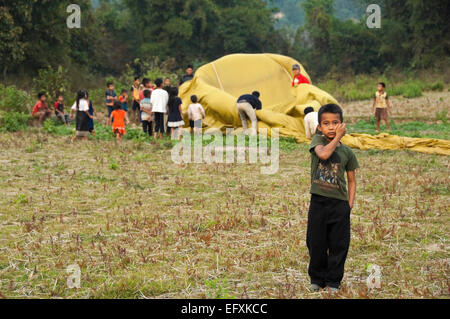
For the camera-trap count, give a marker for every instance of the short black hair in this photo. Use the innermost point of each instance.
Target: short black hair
(158, 82)
(147, 93)
(109, 84)
(145, 81)
(256, 93)
(194, 98)
(308, 110)
(59, 95)
(124, 91)
(136, 78)
(117, 105)
(331, 108)
(190, 66)
(174, 91)
(41, 94)
(382, 84)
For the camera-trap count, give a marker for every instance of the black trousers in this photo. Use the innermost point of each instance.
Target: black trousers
(159, 122)
(328, 240)
(147, 126)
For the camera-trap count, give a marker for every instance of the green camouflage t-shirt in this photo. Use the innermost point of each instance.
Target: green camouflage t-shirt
(328, 177)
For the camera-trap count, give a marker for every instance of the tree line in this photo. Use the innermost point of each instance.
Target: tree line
(34, 35)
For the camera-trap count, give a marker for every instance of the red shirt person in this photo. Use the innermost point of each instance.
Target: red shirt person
(299, 78)
(40, 109)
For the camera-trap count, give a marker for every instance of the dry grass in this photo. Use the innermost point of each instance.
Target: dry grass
(140, 226)
(424, 108)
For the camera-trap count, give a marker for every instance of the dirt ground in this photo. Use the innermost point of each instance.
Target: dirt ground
(140, 226)
(423, 108)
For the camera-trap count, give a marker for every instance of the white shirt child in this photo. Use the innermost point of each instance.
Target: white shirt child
(311, 123)
(83, 105)
(159, 101)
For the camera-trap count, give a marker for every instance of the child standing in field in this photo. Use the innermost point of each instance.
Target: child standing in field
(59, 110)
(145, 86)
(381, 102)
(175, 119)
(146, 114)
(123, 98)
(328, 232)
(81, 108)
(111, 97)
(159, 101)
(92, 113)
(118, 119)
(196, 114)
(168, 88)
(136, 91)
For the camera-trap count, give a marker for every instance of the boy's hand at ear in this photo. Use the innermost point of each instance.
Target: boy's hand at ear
(341, 130)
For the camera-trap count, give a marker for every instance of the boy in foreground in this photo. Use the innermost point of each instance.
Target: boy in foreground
(328, 233)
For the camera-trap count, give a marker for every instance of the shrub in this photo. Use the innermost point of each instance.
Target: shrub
(14, 100)
(14, 121)
(98, 98)
(411, 90)
(437, 86)
(52, 82)
(442, 116)
(56, 127)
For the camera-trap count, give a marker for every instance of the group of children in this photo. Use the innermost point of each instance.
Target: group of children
(156, 107)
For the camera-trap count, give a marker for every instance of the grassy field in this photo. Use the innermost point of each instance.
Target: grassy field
(140, 226)
(363, 87)
(432, 107)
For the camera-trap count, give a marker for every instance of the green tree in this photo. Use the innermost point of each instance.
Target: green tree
(202, 29)
(414, 33)
(11, 46)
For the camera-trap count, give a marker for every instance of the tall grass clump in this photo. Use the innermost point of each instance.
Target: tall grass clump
(363, 87)
(14, 100)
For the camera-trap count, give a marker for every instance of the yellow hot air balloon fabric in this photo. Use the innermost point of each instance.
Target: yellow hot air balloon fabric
(219, 84)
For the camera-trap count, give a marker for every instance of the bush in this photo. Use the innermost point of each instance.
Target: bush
(52, 82)
(14, 100)
(98, 98)
(14, 121)
(411, 90)
(438, 86)
(442, 116)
